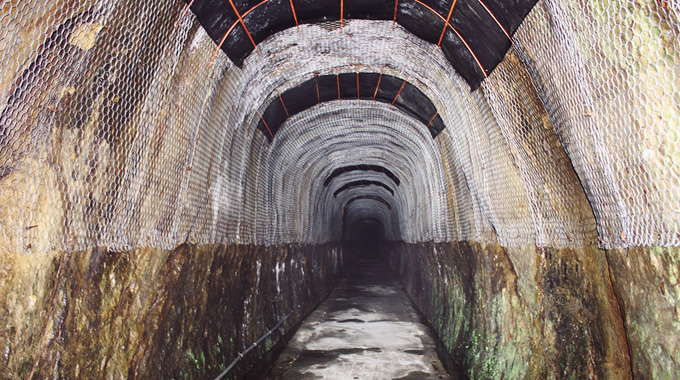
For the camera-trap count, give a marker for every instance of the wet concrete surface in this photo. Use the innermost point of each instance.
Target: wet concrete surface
(366, 329)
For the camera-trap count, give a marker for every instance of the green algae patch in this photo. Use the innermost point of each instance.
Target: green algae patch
(519, 312)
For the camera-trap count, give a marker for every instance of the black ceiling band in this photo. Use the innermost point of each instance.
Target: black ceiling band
(351, 86)
(481, 25)
(354, 184)
(362, 167)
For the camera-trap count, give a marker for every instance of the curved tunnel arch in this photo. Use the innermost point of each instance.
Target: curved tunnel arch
(438, 91)
(339, 131)
(474, 36)
(259, 79)
(370, 201)
(260, 82)
(468, 112)
(135, 182)
(362, 169)
(361, 183)
(353, 87)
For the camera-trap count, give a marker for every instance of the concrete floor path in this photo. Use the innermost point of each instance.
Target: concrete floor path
(366, 329)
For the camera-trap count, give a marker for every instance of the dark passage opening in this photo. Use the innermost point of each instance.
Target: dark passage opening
(367, 239)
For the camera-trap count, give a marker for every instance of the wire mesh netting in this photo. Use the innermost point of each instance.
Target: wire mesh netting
(122, 126)
(606, 74)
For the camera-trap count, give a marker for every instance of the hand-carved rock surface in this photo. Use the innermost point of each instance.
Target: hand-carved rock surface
(519, 160)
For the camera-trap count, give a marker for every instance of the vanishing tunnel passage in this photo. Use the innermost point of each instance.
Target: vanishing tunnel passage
(367, 328)
(182, 183)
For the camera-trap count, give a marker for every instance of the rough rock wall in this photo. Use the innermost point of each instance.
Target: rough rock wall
(148, 137)
(120, 129)
(647, 285)
(154, 314)
(523, 312)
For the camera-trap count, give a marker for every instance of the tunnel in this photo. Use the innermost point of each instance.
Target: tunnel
(183, 183)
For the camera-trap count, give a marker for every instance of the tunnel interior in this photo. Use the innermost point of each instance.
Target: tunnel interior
(367, 237)
(182, 179)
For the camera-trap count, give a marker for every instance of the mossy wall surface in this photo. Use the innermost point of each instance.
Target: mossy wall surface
(647, 284)
(183, 314)
(523, 312)
(123, 126)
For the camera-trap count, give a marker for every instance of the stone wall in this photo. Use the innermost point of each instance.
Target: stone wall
(521, 312)
(124, 130)
(647, 285)
(147, 313)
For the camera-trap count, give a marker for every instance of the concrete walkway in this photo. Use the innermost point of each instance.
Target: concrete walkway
(366, 329)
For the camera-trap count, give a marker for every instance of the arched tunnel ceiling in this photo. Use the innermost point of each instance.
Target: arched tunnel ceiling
(360, 183)
(329, 153)
(258, 84)
(474, 34)
(355, 86)
(372, 197)
(363, 168)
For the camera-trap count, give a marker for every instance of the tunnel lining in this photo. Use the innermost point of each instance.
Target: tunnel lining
(371, 197)
(474, 35)
(361, 167)
(359, 183)
(371, 126)
(125, 132)
(350, 86)
(180, 175)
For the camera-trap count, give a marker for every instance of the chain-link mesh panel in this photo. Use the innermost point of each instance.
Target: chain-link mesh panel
(558, 209)
(606, 74)
(100, 123)
(339, 134)
(123, 126)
